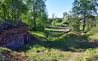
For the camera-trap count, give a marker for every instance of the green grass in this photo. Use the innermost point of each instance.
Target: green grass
(4, 49)
(53, 28)
(38, 34)
(41, 53)
(54, 48)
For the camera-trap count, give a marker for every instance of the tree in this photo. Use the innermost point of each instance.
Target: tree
(32, 12)
(72, 21)
(65, 17)
(85, 8)
(12, 9)
(38, 13)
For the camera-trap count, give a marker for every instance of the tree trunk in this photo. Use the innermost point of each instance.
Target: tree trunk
(84, 25)
(34, 23)
(4, 16)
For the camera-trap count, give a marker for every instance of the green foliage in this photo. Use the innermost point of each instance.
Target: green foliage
(51, 46)
(73, 21)
(75, 24)
(37, 13)
(31, 12)
(12, 9)
(85, 8)
(96, 27)
(55, 21)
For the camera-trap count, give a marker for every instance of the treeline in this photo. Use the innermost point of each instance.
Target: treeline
(83, 15)
(32, 12)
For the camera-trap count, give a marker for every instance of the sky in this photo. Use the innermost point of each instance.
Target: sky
(58, 7)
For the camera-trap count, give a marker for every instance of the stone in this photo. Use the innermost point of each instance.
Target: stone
(15, 35)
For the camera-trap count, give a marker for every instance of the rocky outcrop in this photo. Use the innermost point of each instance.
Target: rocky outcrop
(14, 34)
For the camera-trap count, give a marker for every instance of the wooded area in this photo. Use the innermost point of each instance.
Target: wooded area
(28, 34)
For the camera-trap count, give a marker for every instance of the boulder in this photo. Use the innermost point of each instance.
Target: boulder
(15, 35)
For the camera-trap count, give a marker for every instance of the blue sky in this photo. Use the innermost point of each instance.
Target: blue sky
(58, 7)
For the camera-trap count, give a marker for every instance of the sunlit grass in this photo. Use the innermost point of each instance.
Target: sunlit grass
(38, 34)
(41, 53)
(67, 48)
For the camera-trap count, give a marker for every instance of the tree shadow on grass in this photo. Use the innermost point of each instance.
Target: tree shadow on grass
(71, 42)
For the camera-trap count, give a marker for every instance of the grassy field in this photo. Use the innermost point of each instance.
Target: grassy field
(71, 47)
